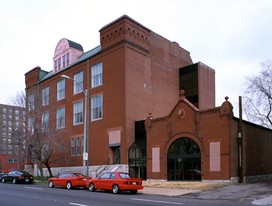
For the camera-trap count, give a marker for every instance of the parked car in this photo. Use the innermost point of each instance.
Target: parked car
(17, 177)
(115, 182)
(1, 175)
(68, 180)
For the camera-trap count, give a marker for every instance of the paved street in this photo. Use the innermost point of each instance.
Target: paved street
(35, 194)
(256, 193)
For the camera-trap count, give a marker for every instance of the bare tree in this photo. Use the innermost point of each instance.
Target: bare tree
(45, 147)
(42, 142)
(258, 96)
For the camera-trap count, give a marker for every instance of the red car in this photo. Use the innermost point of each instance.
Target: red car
(116, 182)
(68, 180)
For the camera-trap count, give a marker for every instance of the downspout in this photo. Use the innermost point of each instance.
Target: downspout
(240, 143)
(88, 114)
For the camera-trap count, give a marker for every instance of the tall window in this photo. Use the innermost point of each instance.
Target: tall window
(31, 125)
(76, 149)
(61, 89)
(59, 63)
(97, 107)
(63, 61)
(55, 64)
(67, 59)
(45, 96)
(61, 118)
(31, 102)
(78, 83)
(73, 146)
(45, 121)
(78, 113)
(97, 74)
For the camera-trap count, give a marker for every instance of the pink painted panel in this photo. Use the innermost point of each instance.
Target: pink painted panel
(115, 137)
(215, 156)
(155, 159)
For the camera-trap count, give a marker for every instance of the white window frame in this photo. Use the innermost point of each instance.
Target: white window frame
(97, 107)
(61, 89)
(78, 82)
(97, 75)
(78, 113)
(60, 116)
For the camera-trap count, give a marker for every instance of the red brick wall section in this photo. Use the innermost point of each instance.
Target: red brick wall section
(204, 127)
(206, 87)
(257, 148)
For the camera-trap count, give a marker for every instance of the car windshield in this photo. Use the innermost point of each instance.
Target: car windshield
(124, 175)
(78, 174)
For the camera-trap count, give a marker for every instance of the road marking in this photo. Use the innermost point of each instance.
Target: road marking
(34, 188)
(71, 203)
(157, 201)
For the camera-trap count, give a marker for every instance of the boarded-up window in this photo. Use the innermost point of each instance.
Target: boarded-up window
(156, 159)
(115, 138)
(214, 156)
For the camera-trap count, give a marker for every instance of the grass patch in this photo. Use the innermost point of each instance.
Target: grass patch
(204, 186)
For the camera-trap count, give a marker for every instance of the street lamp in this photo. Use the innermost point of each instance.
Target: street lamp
(85, 152)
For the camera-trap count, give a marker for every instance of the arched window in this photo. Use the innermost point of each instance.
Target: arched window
(184, 160)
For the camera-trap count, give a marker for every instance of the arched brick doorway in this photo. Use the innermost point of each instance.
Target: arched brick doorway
(184, 160)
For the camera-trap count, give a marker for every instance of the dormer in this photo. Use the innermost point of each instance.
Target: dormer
(66, 53)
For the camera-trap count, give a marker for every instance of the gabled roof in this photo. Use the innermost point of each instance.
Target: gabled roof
(182, 98)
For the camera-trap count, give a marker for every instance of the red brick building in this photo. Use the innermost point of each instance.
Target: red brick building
(209, 144)
(134, 72)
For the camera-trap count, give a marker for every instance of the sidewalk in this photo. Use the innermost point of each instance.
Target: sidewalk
(259, 193)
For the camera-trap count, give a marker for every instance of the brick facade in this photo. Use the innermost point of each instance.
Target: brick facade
(215, 132)
(141, 75)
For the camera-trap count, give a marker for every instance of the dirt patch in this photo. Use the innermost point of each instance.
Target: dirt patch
(204, 186)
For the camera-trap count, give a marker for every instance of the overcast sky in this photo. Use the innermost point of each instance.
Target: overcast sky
(231, 36)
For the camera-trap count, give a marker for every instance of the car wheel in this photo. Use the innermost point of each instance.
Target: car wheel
(91, 187)
(68, 185)
(133, 191)
(3, 180)
(115, 189)
(50, 184)
(14, 181)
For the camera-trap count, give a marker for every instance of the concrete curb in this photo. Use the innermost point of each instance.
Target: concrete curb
(166, 191)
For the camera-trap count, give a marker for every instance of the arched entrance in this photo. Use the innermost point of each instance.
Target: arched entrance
(184, 160)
